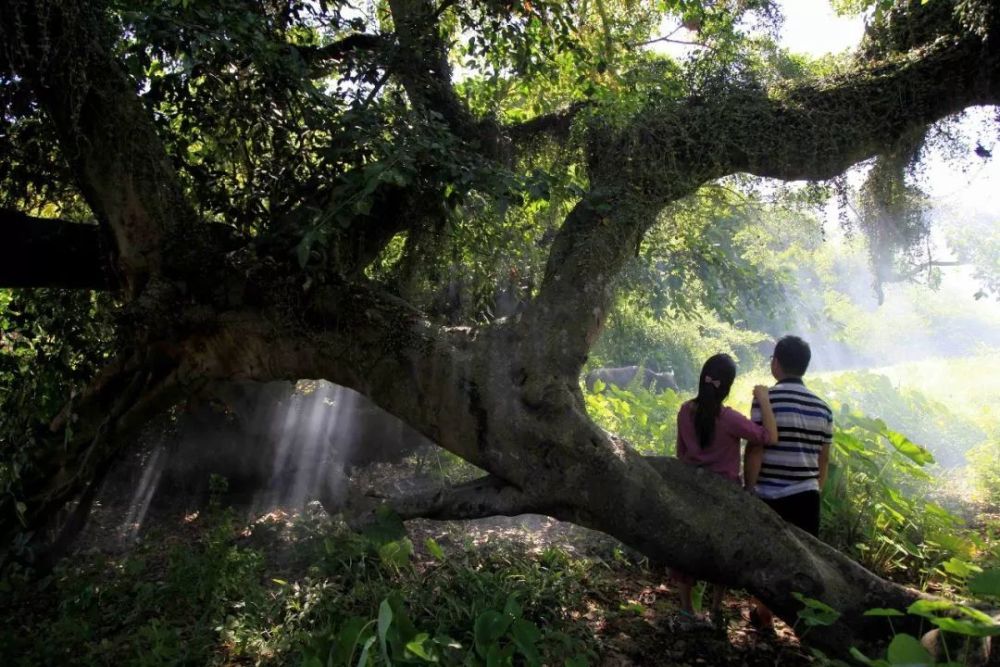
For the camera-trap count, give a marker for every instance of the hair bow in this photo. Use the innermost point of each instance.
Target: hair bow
(709, 380)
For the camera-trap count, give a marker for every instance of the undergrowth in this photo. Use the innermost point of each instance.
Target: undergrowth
(305, 591)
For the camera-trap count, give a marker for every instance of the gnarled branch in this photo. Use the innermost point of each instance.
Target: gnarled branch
(321, 59)
(476, 499)
(814, 130)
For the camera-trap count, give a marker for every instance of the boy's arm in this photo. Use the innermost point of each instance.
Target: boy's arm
(824, 463)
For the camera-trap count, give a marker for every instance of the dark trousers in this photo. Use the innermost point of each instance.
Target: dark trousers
(799, 509)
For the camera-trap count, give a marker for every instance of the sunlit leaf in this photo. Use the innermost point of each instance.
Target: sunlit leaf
(967, 628)
(959, 567)
(434, 549)
(911, 450)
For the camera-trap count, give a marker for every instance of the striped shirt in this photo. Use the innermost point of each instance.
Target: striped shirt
(805, 426)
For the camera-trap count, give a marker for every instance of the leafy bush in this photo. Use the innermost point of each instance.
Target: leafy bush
(875, 505)
(947, 433)
(647, 420)
(985, 462)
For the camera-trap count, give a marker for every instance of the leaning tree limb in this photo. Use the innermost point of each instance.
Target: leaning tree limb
(476, 499)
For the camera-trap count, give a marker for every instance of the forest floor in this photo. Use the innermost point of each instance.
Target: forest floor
(223, 580)
(632, 608)
(623, 606)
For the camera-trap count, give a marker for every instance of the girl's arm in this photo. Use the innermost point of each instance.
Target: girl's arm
(763, 396)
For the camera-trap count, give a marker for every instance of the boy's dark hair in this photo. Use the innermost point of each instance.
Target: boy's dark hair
(793, 354)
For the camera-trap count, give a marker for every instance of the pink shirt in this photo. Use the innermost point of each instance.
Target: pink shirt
(722, 456)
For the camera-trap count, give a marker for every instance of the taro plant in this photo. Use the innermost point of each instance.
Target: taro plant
(875, 506)
(646, 419)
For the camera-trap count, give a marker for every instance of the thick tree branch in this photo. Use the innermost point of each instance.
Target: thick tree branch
(476, 499)
(555, 125)
(105, 133)
(320, 60)
(808, 131)
(423, 68)
(41, 252)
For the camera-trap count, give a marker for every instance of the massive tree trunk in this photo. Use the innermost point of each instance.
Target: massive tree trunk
(505, 396)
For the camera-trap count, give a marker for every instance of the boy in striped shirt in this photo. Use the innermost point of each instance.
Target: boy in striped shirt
(788, 476)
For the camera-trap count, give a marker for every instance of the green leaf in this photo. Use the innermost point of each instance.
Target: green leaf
(986, 583)
(879, 611)
(967, 628)
(861, 657)
(384, 621)
(909, 449)
(634, 607)
(926, 608)
(512, 607)
(960, 568)
(815, 612)
(396, 553)
(302, 250)
(419, 646)
(906, 650)
(499, 657)
(490, 626)
(363, 658)
(350, 634)
(434, 549)
(525, 635)
(387, 527)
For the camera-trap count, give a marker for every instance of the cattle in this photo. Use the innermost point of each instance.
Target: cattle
(624, 376)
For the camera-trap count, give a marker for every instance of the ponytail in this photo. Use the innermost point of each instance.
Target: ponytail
(714, 383)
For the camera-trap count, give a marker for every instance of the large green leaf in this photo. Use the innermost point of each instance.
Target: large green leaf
(906, 650)
(526, 635)
(384, 621)
(909, 449)
(967, 628)
(815, 612)
(927, 608)
(960, 568)
(986, 583)
(490, 626)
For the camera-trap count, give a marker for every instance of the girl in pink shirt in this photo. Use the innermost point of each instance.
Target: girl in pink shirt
(708, 436)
